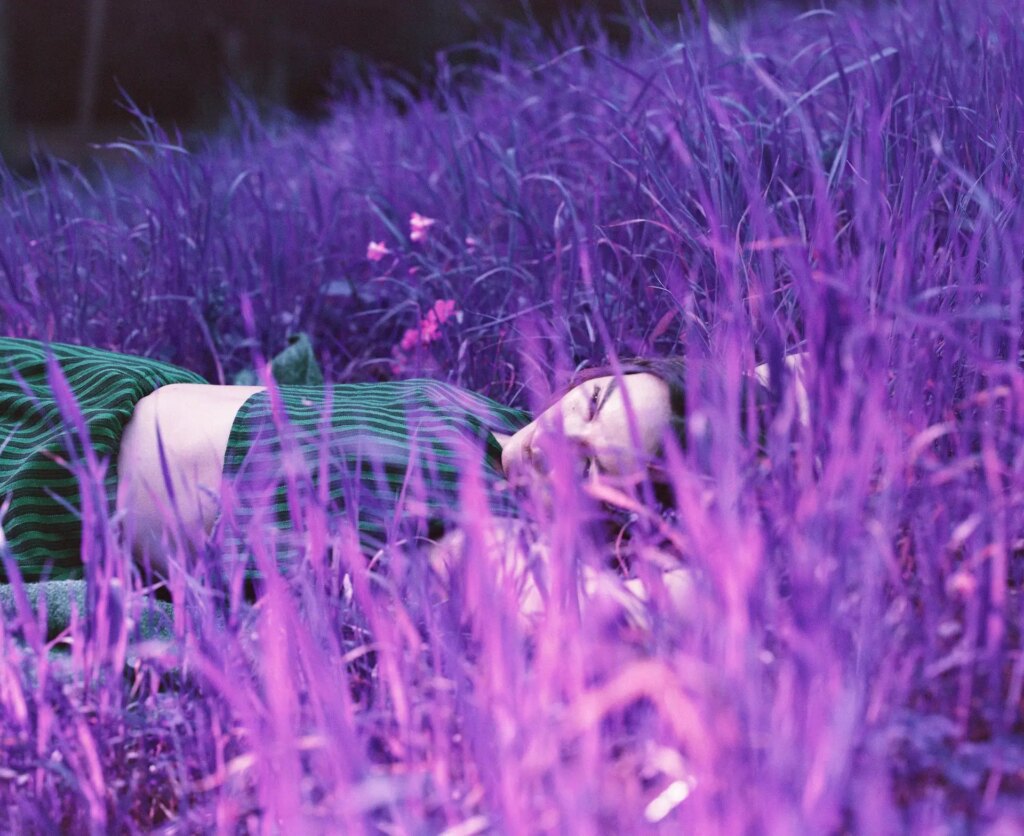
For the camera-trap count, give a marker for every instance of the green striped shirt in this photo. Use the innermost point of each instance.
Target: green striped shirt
(40, 444)
(385, 458)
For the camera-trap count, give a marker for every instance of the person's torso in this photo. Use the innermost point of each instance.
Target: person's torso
(376, 443)
(378, 452)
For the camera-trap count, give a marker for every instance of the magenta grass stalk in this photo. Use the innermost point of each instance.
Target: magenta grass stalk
(842, 183)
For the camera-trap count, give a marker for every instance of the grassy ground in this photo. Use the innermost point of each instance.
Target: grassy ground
(848, 657)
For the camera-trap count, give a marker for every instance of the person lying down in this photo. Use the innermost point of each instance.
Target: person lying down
(599, 419)
(172, 444)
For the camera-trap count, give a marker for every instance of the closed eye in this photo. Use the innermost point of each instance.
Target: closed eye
(595, 407)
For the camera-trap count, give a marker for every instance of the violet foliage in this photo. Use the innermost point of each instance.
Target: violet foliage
(827, 636)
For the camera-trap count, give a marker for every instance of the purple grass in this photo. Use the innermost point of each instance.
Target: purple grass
(844, 654)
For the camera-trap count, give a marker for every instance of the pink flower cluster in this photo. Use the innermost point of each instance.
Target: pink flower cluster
(419, 226)
(419, 230)
(376, 250)
(429, 328)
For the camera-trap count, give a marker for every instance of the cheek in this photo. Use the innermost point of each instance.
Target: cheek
(652, 438)
(617, 462)
(619, 454)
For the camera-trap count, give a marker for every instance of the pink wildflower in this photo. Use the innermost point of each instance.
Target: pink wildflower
(376, 250)
(419, 226)
(430, 329)
(443, 309)
(410, 339)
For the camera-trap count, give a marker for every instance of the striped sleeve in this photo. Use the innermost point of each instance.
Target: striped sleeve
(42, 442)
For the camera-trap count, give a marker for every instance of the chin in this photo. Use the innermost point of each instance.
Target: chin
(511, 461)
(512, 456)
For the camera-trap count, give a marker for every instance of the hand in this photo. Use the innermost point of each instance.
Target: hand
(510, 558)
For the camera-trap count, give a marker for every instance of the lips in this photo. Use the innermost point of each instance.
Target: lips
(537, 459)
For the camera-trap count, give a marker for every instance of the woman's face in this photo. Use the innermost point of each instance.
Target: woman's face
(592, 418)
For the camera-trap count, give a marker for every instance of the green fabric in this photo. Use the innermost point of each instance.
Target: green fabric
(398, 419)
(295, 366)
(394, 449)
(41, 445)
(393, 456)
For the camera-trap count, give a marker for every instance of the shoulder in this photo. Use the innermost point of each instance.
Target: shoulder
(196, 401)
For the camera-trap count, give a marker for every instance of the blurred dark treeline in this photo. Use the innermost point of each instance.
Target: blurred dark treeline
(64, 62)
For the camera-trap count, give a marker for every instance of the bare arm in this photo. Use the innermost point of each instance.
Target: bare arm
(193, 422)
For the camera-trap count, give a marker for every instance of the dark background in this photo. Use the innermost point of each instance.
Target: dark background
(62, 61)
